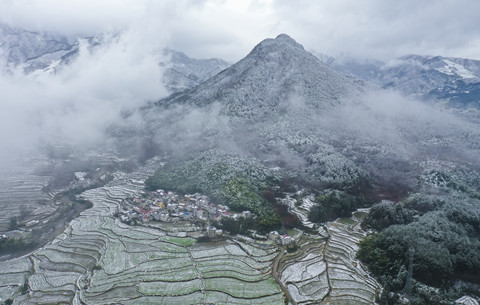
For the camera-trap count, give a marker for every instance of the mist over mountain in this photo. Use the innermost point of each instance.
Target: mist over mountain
(54, 86)
(282, 104)
(279, 122)
(184, 72)
(454, 82)
(275, 70)
(282, 119)
(35, 50)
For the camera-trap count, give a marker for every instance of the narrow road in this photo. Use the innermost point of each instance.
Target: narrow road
(275, 275)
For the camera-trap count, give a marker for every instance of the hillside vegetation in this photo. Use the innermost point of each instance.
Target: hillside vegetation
(230, 179)
(441, 224)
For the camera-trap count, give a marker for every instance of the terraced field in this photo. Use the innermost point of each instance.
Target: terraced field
(99, 260)
(21, 190)
(324, 269)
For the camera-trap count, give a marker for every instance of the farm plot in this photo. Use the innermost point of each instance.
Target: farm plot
(325, 271)
(99, 260)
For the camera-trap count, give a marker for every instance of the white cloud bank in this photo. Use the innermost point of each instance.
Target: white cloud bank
(82, 99)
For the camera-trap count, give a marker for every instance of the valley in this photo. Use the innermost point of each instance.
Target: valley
(100, 260)
(275, 180)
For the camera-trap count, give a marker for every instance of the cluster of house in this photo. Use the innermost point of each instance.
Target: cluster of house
(281, 239)
(170, 207)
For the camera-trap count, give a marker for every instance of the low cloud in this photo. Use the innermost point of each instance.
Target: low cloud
(103, 85)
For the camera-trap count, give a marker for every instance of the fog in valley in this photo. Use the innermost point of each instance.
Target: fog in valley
(354, 142)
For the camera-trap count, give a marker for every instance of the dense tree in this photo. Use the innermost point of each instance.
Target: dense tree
(385, 214)
(333, 204)
(13, 224)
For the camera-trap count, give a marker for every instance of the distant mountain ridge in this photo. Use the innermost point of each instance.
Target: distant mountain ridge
(36, 50)
(39, 52)
(184, 72)
(455, 81)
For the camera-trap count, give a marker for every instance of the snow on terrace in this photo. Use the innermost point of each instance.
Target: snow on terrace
(300, 211)
(100, 260)
(325, 271)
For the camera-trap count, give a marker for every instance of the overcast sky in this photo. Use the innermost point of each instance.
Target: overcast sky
(230, 28)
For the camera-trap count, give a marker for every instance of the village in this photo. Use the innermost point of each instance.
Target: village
(170, 208)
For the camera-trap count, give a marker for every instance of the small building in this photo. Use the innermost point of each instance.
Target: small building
(31, 223)
(211, 232)
(212, 210)
(198, 213)
(80, 176)
(186, 215)
(226, 214)
(155, 208)
(161, 217)
(273, 235)
(247, 214)
(286, 240)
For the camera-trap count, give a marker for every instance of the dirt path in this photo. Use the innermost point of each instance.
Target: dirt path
(275, 275)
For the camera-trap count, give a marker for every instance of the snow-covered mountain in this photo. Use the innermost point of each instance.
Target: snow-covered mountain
(280, 114)
(453, 80)
(281, 121)
(38, 52)
(34, 50)
(184, 72)
(276, 70)
(284, 106)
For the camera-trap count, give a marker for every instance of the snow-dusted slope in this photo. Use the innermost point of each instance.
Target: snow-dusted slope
(456, 80)
(270, 104)
(184, 72)
(284, 106)
(420, 74)
(274, 71)
(36, 50)
(40, 52)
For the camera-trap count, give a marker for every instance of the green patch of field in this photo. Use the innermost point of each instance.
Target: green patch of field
(347, 221)
(168, 247)
(360, 215)
(170, 288)
(181, 241)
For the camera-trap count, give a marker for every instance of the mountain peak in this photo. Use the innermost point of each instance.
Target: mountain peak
(277, 49)
(281, 41)
(276, 72)
(285, 39)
